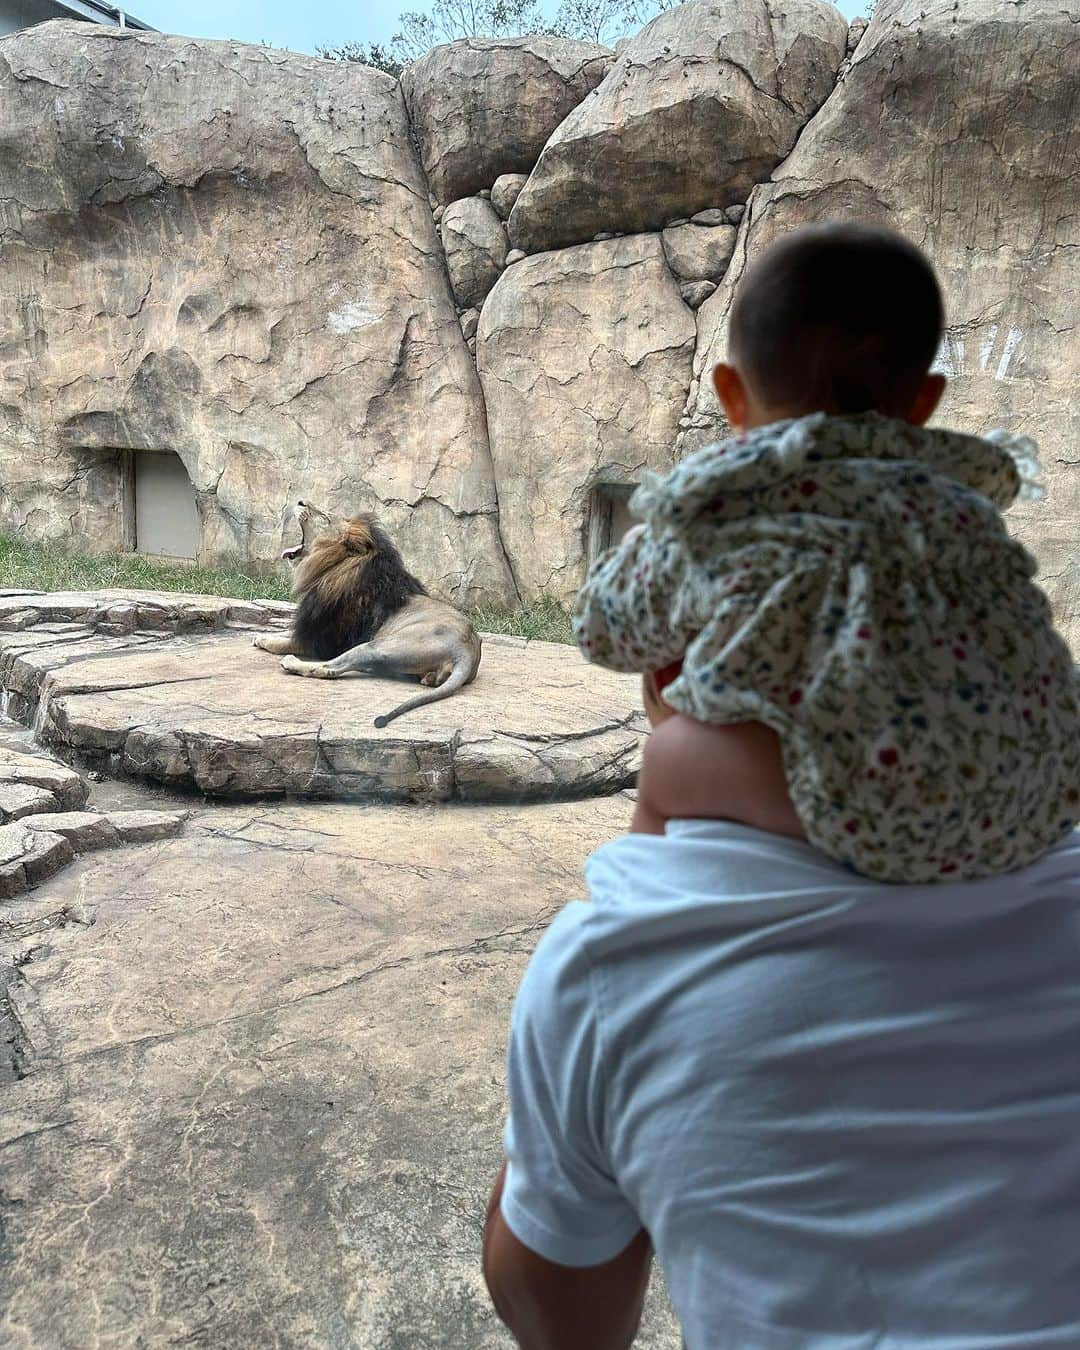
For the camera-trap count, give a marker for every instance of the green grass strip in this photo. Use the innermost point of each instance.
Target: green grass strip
(42, 567)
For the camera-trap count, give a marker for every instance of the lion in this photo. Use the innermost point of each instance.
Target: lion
(360, 611)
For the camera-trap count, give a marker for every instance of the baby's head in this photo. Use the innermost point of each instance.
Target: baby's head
(838, 319)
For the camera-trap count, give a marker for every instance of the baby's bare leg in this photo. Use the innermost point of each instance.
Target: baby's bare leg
(693, 771)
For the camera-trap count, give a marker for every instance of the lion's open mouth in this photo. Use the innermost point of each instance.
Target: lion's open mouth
(294, 554)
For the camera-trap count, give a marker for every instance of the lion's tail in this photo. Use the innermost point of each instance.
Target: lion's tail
(458, 677)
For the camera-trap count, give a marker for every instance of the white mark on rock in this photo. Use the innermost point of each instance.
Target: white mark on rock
(352, 314)
(282, 251)
(986, 351)
(950, 357)
(118, 136)
(1011, 344)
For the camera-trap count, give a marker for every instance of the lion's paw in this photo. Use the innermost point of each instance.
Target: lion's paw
(292, 665)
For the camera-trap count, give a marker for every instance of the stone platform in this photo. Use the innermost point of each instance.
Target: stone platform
(168, 688)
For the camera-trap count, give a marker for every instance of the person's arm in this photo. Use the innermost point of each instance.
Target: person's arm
(547, 1306)
(565, 1256)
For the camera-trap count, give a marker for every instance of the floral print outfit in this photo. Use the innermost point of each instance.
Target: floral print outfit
(849, 581)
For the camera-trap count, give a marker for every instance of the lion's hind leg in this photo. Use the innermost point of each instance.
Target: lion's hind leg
(314, 670)
(293, 665)
(433, 678)
(369, 658)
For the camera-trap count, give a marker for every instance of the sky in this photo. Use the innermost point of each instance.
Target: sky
(301, 25)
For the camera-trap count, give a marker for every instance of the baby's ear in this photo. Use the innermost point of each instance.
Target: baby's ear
(927, 399)
(731, 392)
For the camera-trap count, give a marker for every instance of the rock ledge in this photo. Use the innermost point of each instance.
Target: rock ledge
(205, 711)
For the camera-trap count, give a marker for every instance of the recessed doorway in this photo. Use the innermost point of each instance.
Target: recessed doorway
(609, 516)
(160, 515)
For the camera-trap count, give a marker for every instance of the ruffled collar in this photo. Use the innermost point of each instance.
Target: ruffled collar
(999, 466)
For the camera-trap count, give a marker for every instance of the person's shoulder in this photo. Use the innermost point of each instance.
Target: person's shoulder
(557, 975)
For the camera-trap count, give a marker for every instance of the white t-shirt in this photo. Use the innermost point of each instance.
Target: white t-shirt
(848, 1113)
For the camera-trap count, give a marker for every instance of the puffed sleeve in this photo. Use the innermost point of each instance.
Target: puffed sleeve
(628, 615)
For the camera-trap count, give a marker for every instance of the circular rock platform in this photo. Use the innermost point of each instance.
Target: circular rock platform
(169, 688)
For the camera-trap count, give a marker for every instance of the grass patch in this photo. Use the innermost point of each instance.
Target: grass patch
(41, 567)
(545, 620)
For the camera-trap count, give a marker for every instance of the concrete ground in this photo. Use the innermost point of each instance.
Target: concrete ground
(262, 1074)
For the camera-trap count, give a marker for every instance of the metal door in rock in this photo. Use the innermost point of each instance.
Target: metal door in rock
(161, 517)
(609, 516)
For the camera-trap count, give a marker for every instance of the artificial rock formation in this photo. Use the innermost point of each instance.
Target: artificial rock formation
(475, 244)
(38, 846)
(982, 176)
(231, 253)
(699, 252)
(697, 108)
(483, 107)
(584, 356)
(695, 293)
(43, 825)
(227, 252)
(505, 191)
(31, 784)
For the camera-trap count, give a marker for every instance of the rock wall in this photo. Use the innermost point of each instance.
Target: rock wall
(228, 252)
(584, 359)
(291, 271)
(957, 126)
(485, 106)
(700, 106)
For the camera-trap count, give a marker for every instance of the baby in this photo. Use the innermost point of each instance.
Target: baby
(839, 639)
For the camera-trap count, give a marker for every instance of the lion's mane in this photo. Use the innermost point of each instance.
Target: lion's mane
(347, 587)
